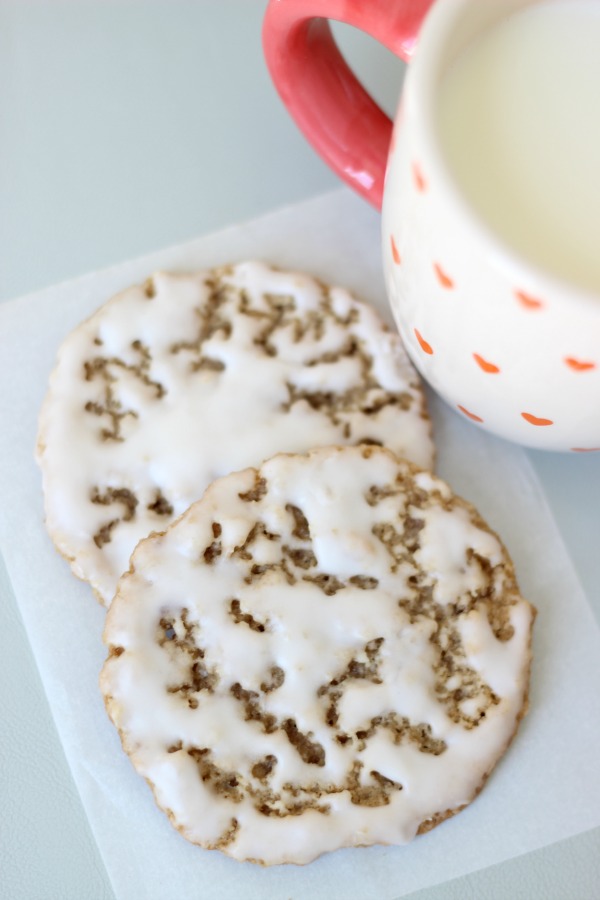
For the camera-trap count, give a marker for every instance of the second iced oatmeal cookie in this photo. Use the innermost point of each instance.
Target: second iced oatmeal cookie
(186, 378)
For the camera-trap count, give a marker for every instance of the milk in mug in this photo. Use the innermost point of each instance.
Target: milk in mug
(518, 117)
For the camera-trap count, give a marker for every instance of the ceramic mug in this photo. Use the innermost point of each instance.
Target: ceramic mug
(511, 345)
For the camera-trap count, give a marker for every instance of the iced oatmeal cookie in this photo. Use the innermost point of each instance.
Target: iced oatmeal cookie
(188, 377)
(330, 650)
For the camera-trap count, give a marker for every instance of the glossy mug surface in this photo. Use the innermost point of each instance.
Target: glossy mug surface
(489, 191)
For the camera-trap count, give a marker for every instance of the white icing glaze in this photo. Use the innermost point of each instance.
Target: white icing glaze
(183, 426)
(443, 551)
(315, 638)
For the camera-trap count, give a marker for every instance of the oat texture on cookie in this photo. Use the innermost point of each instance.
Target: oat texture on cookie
(186, 378)
(327, 651)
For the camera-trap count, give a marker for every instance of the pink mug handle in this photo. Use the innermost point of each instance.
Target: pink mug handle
(328, 103)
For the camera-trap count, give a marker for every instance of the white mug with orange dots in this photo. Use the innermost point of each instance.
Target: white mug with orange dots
(489, 184)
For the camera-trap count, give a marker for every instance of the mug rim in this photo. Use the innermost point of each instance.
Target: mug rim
(423, 76)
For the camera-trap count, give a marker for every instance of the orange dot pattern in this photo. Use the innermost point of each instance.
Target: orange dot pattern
(579, 365)
(471, 415)
(425, 347)
(485, 365)
(526, 300)
(419, 178)
(442, 276)
(536, 420)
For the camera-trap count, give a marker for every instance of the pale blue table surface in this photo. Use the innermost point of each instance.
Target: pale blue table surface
(125, 127)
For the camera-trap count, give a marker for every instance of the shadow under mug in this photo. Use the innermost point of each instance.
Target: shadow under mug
(510, 346)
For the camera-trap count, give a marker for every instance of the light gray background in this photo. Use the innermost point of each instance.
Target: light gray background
(126, 126)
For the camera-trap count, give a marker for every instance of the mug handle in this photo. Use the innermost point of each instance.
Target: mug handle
(330, 106)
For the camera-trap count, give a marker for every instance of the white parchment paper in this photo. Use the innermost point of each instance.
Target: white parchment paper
(548, 785)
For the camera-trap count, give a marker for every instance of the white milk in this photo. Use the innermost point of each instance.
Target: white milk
(519, 120)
